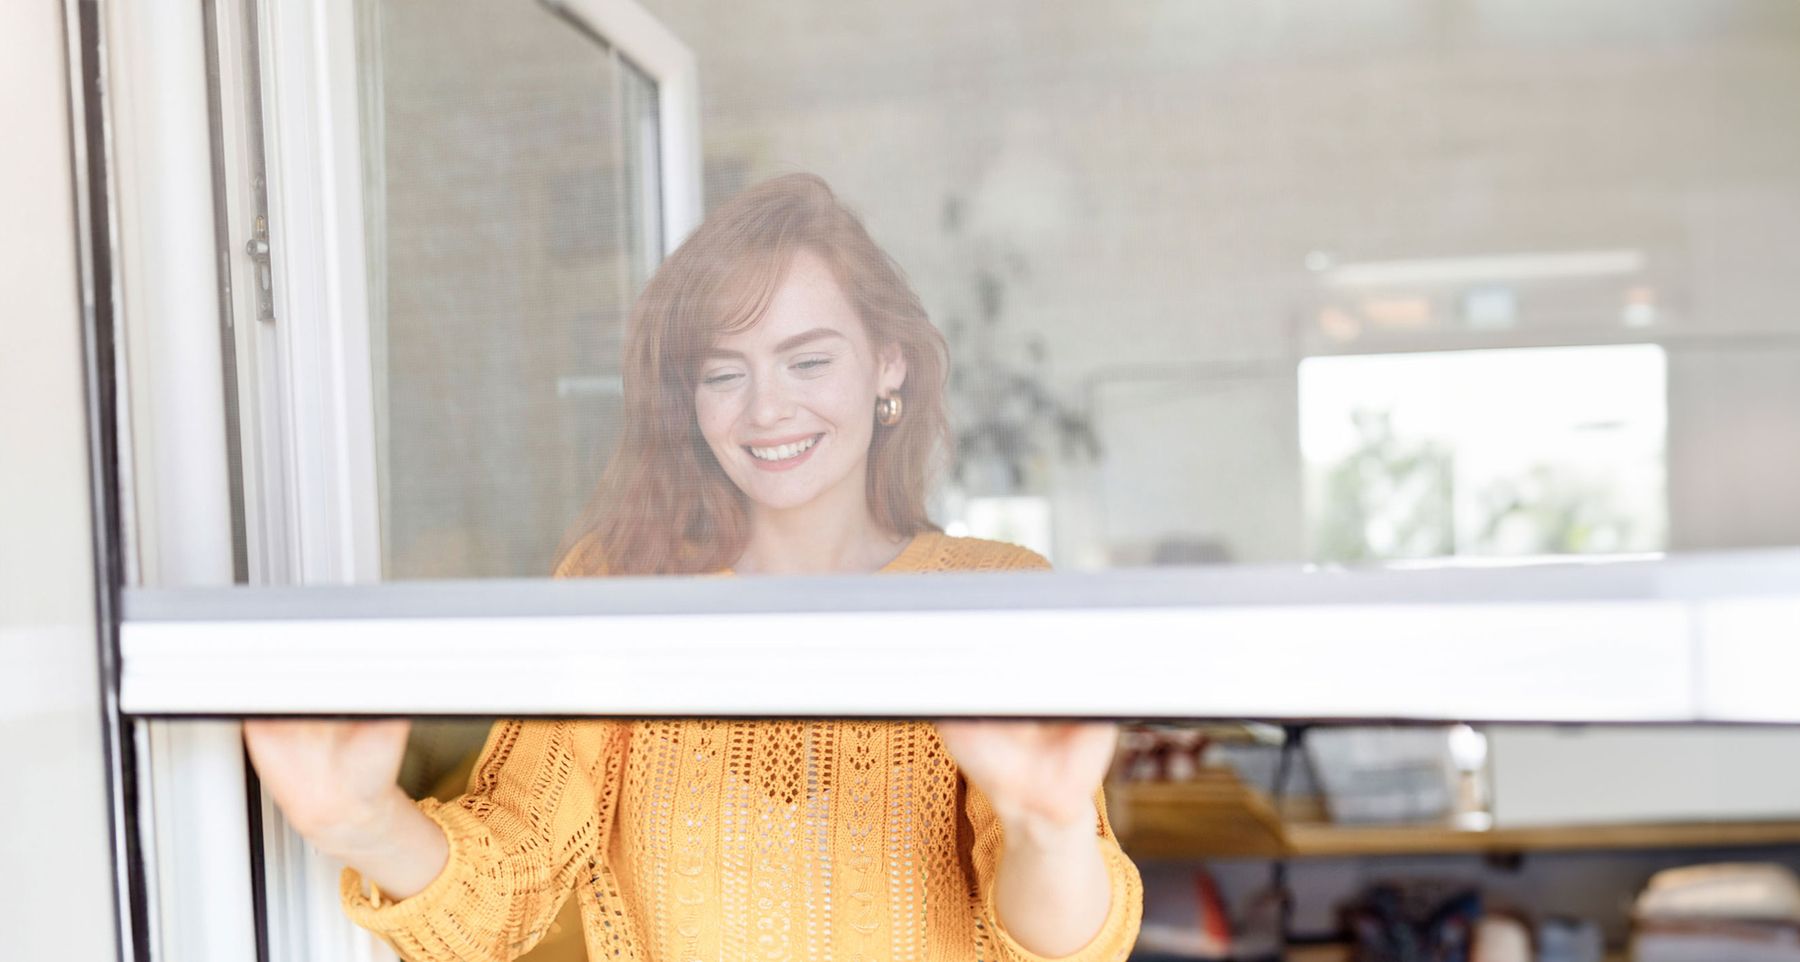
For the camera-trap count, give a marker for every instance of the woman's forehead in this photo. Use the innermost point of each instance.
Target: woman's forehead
(808, 302)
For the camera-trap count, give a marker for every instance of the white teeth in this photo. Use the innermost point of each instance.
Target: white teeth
(782, 452)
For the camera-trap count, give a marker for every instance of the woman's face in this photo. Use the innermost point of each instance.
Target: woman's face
(788, 405)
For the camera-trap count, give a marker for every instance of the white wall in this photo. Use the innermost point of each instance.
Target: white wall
(56, 893)
(1550, 775)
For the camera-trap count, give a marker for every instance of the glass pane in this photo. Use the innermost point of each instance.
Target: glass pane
(640, 133)
(514, 215)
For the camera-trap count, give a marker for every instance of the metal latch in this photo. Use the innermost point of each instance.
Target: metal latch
(258, 249)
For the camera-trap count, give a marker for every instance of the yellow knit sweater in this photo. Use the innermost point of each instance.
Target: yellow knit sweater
(730, 840)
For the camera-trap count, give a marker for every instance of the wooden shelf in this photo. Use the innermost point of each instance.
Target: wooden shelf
(1213, 816)
(1319, 840)
(1217, 816)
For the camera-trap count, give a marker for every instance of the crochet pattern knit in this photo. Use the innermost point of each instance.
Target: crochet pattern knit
(730, 839)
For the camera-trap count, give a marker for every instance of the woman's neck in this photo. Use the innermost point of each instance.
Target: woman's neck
(811, 541)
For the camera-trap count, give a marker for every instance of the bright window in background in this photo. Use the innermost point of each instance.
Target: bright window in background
(1502, 453)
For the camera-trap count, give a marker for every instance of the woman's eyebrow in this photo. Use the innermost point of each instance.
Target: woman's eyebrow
(805, 337)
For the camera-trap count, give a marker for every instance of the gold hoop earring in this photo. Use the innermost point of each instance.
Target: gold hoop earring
(887, 410)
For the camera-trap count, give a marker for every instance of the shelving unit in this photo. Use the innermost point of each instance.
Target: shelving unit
(1218, 816)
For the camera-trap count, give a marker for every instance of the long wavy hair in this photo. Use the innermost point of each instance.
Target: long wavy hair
(663, 504)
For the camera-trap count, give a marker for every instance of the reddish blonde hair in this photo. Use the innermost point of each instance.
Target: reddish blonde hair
(663, 505)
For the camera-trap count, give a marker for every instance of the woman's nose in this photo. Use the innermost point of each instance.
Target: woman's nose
(770, 402)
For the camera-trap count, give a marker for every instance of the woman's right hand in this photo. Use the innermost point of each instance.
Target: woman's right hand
(335, 781)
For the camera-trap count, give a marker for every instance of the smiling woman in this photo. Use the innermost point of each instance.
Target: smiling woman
(790, 421)
(784, 412)
(757, 358)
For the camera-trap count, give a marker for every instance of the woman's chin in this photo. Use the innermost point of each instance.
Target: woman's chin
(781, 500)
(786, 492)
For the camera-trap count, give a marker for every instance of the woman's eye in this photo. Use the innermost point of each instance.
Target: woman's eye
(811, 363)
(714, 380)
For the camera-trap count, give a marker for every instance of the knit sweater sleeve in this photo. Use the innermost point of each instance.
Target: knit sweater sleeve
(534, 821)
(1125, 913)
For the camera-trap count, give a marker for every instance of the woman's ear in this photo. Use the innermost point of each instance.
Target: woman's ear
(892, 372)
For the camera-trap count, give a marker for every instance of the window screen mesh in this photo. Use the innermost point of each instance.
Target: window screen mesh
(1133, 223)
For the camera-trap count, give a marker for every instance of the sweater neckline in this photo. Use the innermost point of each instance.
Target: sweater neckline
(910, 558)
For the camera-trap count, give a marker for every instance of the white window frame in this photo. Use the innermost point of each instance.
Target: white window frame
(306, 417)
(192, 815)
(1686, 639)
(325, 442)
(1698, 638)
(661, 55)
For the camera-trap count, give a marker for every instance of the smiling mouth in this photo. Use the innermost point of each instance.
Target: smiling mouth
(783, 452)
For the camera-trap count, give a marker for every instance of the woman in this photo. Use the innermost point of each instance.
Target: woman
(783, 408)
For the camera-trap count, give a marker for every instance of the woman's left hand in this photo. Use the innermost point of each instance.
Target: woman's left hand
(1044, 772)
